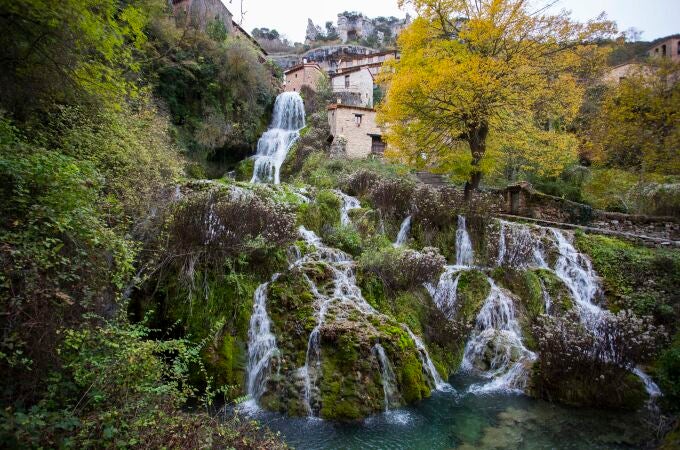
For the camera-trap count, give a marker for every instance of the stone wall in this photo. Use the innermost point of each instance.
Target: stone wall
(522, 200)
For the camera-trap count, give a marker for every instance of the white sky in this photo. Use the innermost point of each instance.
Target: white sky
(656, 18)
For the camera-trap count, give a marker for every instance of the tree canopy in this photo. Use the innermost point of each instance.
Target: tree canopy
(479, 81)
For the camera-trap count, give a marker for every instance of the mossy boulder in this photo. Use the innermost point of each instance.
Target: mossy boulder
(576, 390)
(347, 384)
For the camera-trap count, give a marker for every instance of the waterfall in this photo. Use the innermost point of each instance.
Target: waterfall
(547, 300)
(520, 245)
(261, 344)
(403, 232)
(651, 387)
(495, 349)
(576, 271)
(464, 255)
(388, 379)
(428, 365)
(445, 293)
(345, 291)
(287, 121)
(348, 203)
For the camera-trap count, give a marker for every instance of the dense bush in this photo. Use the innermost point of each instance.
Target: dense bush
(220, 224)
(392, 197)
(216, 89)
(580, 361)
(401, 269)
(121, 389)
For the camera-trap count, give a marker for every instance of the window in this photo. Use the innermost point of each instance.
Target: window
(663, 50)
(295, 75)
(346, 81)
(357, 119)
(678, 47)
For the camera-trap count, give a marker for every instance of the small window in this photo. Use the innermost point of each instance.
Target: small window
(656, 50)
(357, 119)
(678, 47)
(663, 50)
(295, 75)
(346, 81)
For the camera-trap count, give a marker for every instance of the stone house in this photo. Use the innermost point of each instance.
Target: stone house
(354, 87)
(305, 74)
(622, 71)
(668, 47)
(373, 61)
(200, 13)
(354, 129)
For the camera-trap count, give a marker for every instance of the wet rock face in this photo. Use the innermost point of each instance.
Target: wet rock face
(339, 377)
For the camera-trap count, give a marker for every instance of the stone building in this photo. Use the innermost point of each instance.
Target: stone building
(373, 61)
(623, 71)
(306, 74)
(200, 13)
(668, 47)
(356, 85)
(355, 129)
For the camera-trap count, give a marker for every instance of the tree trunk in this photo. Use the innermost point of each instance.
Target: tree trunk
(477, 141)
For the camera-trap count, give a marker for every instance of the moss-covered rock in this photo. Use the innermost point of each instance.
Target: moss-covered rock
(576, 390)
(643, 279)
(347, 385)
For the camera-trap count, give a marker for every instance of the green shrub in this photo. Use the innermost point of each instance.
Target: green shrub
(669, 374)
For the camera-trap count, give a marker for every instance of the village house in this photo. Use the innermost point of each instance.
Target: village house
(354, 87)
(373, 61)
(668, 47)
(622, 71)
(305, 74)
(354, 131)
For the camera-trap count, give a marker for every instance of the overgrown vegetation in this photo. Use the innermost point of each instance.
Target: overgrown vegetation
(89, 160)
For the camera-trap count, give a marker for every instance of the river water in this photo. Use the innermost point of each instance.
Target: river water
(469, 421)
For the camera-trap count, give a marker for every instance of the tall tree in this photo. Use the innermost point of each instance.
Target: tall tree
(637, 126)
(485, 76)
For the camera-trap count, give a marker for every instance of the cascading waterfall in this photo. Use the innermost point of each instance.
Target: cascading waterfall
(428, 365)
(445, 293)
(403, 232)
(348, 203)
(287, 121)
(387, 377)
(576, 271)
(497, 331)
(344, 291)
(519, 247)
(464, 255)
(261, 344)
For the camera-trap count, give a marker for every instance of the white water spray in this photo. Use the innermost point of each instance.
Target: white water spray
(261, 344)
(287, 121)
(464, 255)
(348, 203)
(495, 349)
(387, 377)
(403, 232)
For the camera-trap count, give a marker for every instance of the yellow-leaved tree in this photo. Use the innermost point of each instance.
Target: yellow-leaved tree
(480, 81)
